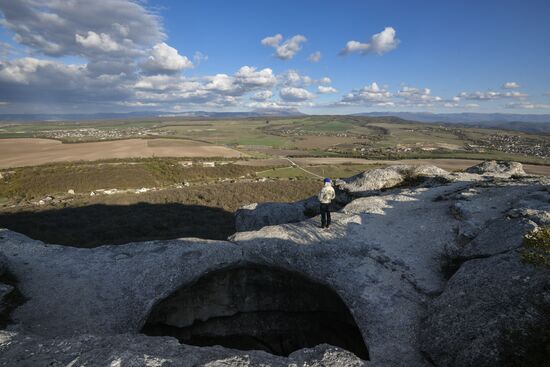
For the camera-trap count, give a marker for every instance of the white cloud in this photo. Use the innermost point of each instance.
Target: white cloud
(491, 95)
(380, 43)
(247, 76)
(325, 80)
(528, 105)
(295, 79)
(315, 57)
(471, 105)
(288, 48)
(28, 70)
(272, 41)
(199, 57)
(292, 94)
(326, 90)
(164, 59)
(102, 42)
(262, 95)
(82, 27)
(369, 94)
(222, 83)
(419, 97)
(510, 85)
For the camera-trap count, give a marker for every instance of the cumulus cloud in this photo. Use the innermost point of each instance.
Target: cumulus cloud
(33, 80)
(370, 94)
(220, 90)
(247, 76)
(164, 59)
(315, 57)
(419, 97)
(28, 70)
(528, 105)
(262, 95)
(326, 90)
(380, 43)
(510, 85)
(101, 42)
(82, 27)
(491, 95)
(325, 80)
(293, 94)
(287, 49)
(295, 79)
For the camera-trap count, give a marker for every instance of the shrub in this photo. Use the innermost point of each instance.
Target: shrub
(536, 247)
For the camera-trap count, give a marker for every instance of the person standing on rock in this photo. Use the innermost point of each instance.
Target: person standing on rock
(326, 195)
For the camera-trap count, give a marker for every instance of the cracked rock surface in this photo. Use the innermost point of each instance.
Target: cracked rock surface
(382, 257)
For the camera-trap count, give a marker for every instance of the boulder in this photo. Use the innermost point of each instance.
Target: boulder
(493, 312)
(388, 177)
(507, 168)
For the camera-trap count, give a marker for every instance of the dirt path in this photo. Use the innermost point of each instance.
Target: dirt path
(30, 152)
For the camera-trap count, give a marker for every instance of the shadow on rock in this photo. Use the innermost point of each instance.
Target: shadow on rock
(96, 225)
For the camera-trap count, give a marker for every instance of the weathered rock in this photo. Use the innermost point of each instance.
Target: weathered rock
(139, 350)
(499, 236)
(497, 168)
(383, 178)
(492, 311)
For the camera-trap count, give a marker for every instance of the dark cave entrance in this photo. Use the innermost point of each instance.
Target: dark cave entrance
(257, 308)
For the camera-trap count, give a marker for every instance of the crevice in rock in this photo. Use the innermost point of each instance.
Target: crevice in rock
(428, 358)
(10, 301)
(257, 308)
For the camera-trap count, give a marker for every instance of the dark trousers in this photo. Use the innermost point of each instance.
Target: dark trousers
(325, 215)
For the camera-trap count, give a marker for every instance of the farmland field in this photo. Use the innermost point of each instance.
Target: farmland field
(28, 151)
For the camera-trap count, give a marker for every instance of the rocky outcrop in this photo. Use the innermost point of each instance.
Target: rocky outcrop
(497, 168)
(141, 350)
(383, 178)
(382, 258)
(493, 312)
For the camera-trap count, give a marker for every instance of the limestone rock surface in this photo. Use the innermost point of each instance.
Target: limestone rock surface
(497, 168)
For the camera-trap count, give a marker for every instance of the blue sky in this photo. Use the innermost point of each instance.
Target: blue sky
(118, 55)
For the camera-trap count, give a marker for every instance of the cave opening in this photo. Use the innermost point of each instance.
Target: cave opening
(257, 308)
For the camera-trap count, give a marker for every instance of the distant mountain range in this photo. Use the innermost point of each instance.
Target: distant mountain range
(520, 122)
(145, 114)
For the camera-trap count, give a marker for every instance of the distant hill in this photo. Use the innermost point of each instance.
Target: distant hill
(520, 122)
(123, 115)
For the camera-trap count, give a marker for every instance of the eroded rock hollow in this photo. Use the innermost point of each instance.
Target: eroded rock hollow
(257, 308)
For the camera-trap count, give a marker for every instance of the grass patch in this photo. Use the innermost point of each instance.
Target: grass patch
(536, 247)
(83, 177)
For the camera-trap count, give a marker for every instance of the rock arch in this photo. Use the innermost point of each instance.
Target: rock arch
(253, 307)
